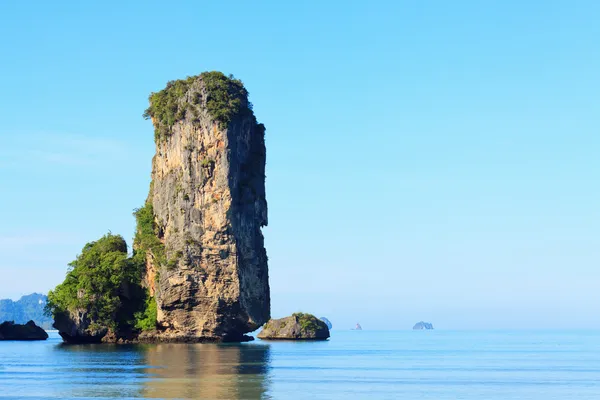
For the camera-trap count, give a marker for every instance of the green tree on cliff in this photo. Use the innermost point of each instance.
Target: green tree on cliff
(104, 282)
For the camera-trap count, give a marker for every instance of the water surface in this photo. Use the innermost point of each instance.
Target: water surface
(437, 365)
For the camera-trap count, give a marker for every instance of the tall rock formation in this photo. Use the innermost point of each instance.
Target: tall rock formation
(206, 266)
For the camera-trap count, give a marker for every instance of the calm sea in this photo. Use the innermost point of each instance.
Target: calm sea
(437, 365)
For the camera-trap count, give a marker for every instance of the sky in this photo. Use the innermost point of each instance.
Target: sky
(426, 160)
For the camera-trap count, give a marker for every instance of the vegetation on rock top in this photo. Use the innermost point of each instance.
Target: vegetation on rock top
(308, 322)
(226, 98)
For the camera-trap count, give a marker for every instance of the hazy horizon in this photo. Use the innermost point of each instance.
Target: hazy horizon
(434, 162)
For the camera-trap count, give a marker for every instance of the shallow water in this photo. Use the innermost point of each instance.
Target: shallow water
(351, 365)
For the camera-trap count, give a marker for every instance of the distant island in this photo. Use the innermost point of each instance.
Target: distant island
(357, 327)
(327, 322)
(27, 308)
(423, 325)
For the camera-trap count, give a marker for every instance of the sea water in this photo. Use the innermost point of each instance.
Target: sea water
(366, 364)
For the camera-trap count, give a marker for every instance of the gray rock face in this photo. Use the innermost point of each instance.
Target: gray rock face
(29, 331)
(422, 325)
(77, 327)
(208, 196)
(298, 326)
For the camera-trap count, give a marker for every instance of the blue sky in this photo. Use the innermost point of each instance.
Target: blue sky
(425, 160)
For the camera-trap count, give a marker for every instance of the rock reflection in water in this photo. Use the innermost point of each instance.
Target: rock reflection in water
(206, 371)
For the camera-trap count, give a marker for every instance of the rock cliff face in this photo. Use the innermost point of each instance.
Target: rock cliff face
(77, 327)
(208, 202)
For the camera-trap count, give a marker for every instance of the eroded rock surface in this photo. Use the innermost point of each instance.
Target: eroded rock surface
(208, 200)
(78, 327)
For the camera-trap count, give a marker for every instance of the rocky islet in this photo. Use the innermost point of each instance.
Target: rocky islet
(298, 326)
(29, 331)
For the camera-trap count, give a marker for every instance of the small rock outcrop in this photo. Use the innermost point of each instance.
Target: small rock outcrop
(29, 331)
(422, 325)
(77, 327)
(327, 322)
(298, 326)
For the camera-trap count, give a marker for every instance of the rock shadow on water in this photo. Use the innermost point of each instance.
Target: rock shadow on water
(207, 371)
(99, 370)
(168, 370)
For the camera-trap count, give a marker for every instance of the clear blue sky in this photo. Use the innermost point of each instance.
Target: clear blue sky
(430, 160)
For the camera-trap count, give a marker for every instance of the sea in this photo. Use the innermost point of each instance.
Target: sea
(436, 364)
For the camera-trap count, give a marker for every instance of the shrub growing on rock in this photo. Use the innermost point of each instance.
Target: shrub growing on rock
(102, 282)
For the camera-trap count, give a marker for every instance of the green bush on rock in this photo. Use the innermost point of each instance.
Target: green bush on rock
(308, 322)
(103, 281)
(165, 108)
(226, 98)
(146, 236)
(146, 320)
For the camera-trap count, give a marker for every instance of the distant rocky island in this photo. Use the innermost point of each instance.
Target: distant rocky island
(327, 322)
(422, 325)
(199, 266)
(27, 308)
